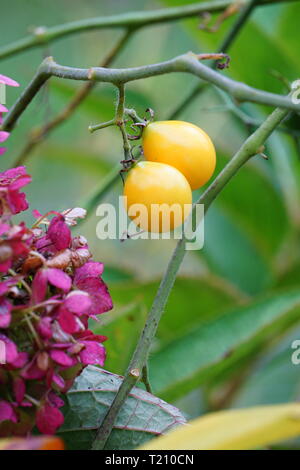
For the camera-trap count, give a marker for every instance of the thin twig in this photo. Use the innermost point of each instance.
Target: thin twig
(249, 148)
(224, 47)
(145, 378)
(188, 63)
(43, 35)
(39, 134)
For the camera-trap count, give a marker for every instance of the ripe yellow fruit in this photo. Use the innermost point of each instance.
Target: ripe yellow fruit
(163, 193)
(182, 145)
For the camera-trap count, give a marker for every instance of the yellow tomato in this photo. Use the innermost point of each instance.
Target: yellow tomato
(159, 198)
(182, 145)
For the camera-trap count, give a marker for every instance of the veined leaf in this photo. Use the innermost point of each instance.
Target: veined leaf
(211, 348)
(141, 417)
(242, 429)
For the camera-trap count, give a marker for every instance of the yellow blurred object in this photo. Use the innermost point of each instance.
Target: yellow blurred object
(32, 443)
(241, 429)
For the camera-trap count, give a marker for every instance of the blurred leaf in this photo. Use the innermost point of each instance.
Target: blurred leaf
(32, 443)
(256, 206)
(114, 274)
(132, 301)
(141, 417)
(274, 381)
(208, 349)
(243, 429)
(233, 255)
(184, 309)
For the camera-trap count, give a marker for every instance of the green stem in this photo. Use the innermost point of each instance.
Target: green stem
(43, 35)
(103, 125)
(145, 378)
(121, 123)
(188, 63)
(224, 47)
(249, 148)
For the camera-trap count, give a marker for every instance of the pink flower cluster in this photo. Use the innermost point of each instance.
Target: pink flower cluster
(49, 289)
(4, 135)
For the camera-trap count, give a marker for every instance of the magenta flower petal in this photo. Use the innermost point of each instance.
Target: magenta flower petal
(5, 312)
(78, 302)
(10, 182)
(19, 389)
(44, 327)
(89, 269)
(93, 353)
(2, 150)
(67, 321)
(59, 381)
(49, 419)
(20, 361)
(98, 291)
(59, 233)
(3, 136)
(3, 109)
(39, 286)
(7, 412)
(59, 278)
(11, 351)
(55, 400)
(32, 371)
(61, 358)
(8, 81)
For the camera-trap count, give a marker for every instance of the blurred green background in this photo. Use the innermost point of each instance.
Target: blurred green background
(225, 338)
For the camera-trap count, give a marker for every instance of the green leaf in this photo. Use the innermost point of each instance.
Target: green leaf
(184, 310)
(209, 349)
(260, 213)
(275, 381)
(141, 417)
(234, 256)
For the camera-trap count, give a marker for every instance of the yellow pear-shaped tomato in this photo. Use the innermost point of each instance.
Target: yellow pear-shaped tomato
(158, 196)
(182, 145)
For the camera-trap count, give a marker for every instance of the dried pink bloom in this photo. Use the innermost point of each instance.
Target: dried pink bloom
(49, 418)
(11, 181)
(7, 412)
(49, 279)
(87, 278)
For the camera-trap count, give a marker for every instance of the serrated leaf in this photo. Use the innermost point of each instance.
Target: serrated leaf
(208, 350)
(242, 429)
(141, 417)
